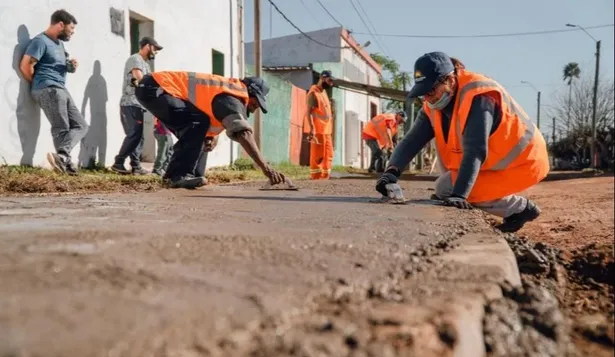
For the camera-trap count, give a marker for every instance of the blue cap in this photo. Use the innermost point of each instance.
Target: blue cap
(258, 88)
(402, 114)
(427, 70)
(327, 74)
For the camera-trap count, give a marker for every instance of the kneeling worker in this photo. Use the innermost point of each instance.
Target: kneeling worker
(490, 149)
(380, 134)
(197, 107)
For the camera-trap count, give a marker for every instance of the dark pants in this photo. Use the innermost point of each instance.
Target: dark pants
(378, 158)
(188, 123)
(199, 170)
(132, 121)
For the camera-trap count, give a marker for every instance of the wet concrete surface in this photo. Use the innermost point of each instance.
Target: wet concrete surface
(231, 270)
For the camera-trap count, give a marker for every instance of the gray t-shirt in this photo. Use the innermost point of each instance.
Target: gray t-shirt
(50, 70)
(128, 94)
(232, 113)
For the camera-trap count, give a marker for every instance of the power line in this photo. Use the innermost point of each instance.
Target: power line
(301, 32)
(511, 34)
(384, 48)
(366, 26)
(310, 12)
(330, 15)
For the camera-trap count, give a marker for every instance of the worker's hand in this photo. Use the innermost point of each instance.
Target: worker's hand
(458, 202)
(274, 176)
(384, 180)
(210, 143)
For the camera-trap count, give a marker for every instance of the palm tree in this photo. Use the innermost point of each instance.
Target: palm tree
(571, 71)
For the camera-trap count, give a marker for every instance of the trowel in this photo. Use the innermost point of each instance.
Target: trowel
(284, 186)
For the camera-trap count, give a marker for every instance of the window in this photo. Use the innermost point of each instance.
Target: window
(217, 62)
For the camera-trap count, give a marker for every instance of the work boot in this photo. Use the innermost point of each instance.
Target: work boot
(56, 162)
(119, 168)
(139, 171)
(158, 172)
(71, 169)
(516, 221)
(188, 181)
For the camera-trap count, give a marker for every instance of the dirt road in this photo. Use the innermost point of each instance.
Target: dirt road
(232, 271)
(578, 218)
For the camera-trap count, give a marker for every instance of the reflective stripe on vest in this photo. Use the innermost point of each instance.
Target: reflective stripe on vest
(193, 81)
(530, 128)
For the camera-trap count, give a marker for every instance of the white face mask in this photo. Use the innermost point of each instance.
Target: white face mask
(444, 100)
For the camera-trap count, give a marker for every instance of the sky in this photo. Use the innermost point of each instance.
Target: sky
(538, 59)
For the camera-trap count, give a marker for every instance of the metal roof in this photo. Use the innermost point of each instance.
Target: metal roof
(380, 92)
(287, 68)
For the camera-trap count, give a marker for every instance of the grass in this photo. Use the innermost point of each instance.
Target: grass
(35, 180)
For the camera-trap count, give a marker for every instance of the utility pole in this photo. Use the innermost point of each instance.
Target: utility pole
(553, 131)
(594, 105)
(257, 68)
(538, 110)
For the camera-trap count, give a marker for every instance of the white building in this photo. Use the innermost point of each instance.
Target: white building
(108, 31)
(340, 53)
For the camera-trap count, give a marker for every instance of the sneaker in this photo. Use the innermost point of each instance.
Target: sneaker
(188, 182)
(120, 169)
(516, 221)
(71, 169)
(158, 172)
(139, 171)
(56, 162)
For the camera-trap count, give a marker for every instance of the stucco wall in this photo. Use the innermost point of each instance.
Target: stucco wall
(101, 55)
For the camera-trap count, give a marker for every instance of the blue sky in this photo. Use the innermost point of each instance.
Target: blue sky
(538, 59)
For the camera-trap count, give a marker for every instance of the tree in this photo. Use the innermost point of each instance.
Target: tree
(392, 77)
(571, 71)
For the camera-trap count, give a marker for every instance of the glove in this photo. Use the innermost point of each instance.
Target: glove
(274, 176)
(458, 202)
(385, 179)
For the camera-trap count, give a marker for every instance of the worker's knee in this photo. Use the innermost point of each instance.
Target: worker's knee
(444, 185)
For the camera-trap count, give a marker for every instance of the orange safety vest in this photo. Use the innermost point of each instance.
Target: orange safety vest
(377, 128)
(517, 157)
(322, 114)
(200, 90)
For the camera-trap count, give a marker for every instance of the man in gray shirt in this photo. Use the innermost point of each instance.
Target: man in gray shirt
(45, 64)
(132, 112)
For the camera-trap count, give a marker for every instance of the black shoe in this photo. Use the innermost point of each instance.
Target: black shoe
(120, 169)
(139, 171)
(56, 162)
(71, 169)
(516, 221)
(158, 172)
(188, 182)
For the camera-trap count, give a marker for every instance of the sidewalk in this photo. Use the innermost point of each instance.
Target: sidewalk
(232, 271)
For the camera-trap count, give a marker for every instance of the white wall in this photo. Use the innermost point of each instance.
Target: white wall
(186, 37)
(298, 50)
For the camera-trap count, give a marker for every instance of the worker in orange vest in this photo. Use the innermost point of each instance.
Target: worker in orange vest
(380, 135)
(197, 107)
(319, 127)
(489, 148)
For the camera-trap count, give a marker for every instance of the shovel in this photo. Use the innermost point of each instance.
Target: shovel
(284, 186)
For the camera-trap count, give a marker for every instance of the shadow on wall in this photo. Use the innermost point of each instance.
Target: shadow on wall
(27, 111)
(95, 142)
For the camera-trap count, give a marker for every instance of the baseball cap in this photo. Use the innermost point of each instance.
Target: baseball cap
(147, 40)
(402, 114)
(326, 74)
(427, 70)
(258, 88)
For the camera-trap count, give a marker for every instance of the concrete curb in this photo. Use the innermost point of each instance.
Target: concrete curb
(480, 252)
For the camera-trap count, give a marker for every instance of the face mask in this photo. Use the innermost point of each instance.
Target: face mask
(151, 56)
(442, 102)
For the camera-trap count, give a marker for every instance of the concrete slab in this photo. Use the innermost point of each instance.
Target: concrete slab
(231, 270)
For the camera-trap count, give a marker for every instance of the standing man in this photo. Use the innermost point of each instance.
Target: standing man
(490, 149)
(45, 64)
(132, 112)
(320, 127)
(380, 135)
(197, 107)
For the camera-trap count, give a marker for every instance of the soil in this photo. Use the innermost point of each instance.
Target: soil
(569, 251)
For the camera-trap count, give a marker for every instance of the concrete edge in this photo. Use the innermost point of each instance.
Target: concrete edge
(467, 310)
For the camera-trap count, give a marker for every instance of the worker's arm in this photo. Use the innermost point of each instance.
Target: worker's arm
(418, 136)
(390, 138)
(475, 141)
(137, 68)
(311, 104)
(33, 54)
(234, 119)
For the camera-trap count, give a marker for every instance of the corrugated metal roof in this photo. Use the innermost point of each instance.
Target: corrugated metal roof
(287, 68)
(388, 93)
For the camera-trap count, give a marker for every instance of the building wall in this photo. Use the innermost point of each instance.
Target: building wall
(300, 78)
(101, 55)
(297, 50)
